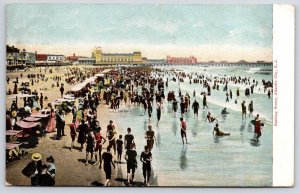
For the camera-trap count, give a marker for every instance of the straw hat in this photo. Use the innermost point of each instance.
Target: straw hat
(36, 157)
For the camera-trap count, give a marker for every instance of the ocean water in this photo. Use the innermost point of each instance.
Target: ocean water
(207, 160)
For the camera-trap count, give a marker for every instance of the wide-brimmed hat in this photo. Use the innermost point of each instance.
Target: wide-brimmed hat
(36, 157)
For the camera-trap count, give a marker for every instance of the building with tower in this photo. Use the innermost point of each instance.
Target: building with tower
(116, 58)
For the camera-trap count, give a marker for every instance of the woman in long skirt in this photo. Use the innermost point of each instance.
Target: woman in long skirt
(52, 123)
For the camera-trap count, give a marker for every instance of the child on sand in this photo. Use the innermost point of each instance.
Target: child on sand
(119, 148)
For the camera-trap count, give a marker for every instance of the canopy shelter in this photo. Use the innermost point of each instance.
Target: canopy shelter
(28, 135)
(10, 146)
(12, 97)
(78, 87)
(12, 132)
(27, 125)
(32, 119)
(59, 101)
(12, 135)
(90, 80)
(68, 97)
(39, 115)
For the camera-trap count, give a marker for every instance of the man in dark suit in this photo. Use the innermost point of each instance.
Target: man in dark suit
(33, 169)
(59, 124)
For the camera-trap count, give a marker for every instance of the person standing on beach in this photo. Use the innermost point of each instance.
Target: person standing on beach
(33, 169)
(250, 108)
(158, 113)
(14, 106)
(195, 107)
(128, 139)
(244, 110)
(119, 148)
(183, 130)
(227, 97)
(98, 147)
(90, 144)
(51, 123)
(175, 107)
(257, 127)
(144, 101)
(146, 158)
(150, 137)
(41, 100)
(186, 103)
(62, 89)
(130, 157)
(204, 101)
(83, 129)
(269, 94)
(149, 109)
(111, 136)
(73, 134)
(107, 162)
(59, 124)
(62, 116)
(182, 107)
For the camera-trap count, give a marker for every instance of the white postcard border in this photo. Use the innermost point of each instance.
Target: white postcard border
(283, 94)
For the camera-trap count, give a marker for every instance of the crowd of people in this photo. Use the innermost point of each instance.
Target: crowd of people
(144, 89)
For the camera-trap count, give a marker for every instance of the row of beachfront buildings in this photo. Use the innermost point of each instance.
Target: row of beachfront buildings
(16, 57)
(21, 58)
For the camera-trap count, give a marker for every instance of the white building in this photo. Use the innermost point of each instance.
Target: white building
(85, 60)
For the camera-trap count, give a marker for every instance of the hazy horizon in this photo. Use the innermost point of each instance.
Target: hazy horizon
(208, 32)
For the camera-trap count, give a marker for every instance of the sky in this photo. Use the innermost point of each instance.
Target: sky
(208, 32)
